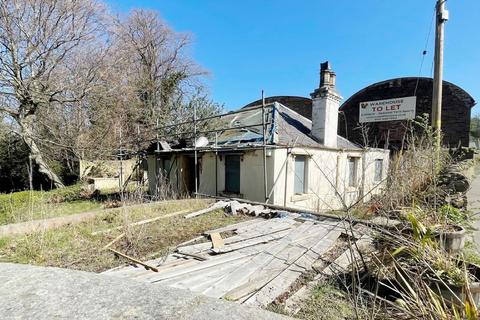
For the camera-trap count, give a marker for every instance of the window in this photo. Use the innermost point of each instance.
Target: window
(378, 170)
(352, 171)
(299, 185)
(232, 174)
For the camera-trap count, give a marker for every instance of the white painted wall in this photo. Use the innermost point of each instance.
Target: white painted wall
(327, 176)
(251, 174)
(325, 116)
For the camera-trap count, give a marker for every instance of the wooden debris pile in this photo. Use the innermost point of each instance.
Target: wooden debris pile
(253, 262)
(235, 208)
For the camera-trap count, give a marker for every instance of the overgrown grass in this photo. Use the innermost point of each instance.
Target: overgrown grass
(29, 205)
(327, 302)
(75, 247)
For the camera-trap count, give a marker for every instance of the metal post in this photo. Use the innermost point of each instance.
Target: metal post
(286, 179)
(441, 18)
(158, 142)
(120, 179)
(139, 157)
(195, 146)
(264, 148)
(216, 164)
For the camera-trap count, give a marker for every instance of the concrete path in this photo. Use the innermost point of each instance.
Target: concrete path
(473, 196)
(28, 292)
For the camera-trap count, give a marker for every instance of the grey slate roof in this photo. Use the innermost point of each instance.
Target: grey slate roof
(285, 127)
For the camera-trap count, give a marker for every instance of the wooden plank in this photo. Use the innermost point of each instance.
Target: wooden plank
(195, 256)
(146, 266)
(282, 282)
(217, 241)
(197, 248)
(144, 274)
(211, 262)
(213, 207)
(188, 242)
(281, 262)
(294, 302)
(200, 280)
(253, 241)
(169, 215)
(235, 226)
(257, 262)
(108, 245)
(341, 264)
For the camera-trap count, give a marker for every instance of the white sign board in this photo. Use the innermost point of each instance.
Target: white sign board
(388, 110)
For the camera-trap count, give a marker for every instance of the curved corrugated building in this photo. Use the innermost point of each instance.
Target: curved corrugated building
(456, 109)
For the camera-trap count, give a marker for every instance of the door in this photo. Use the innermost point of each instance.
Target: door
(232, 174)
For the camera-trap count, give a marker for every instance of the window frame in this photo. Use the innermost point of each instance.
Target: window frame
(352, 179)
(378, 176)
(305, 173)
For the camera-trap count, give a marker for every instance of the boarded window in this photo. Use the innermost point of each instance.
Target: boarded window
(232, 174)
(378, 170)
(352, 171)
(300, 166)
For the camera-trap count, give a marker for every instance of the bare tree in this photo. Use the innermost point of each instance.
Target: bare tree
(158, 64)
(37, 40)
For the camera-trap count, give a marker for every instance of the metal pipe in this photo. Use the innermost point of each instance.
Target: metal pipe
(212, 117)
(286, 180)
(216, 164)
(264, 148)
(195, 145)
(185, 133)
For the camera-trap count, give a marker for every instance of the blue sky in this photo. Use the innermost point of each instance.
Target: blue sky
(277, 45)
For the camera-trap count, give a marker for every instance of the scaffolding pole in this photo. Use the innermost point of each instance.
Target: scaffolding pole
(216, 164)
(264, 148)
(195, 146)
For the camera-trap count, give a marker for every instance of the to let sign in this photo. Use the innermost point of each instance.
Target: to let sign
(388, 110)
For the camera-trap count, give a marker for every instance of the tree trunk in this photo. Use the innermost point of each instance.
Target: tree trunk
(35, 153)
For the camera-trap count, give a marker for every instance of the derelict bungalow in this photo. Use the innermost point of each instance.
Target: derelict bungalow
(270, 153)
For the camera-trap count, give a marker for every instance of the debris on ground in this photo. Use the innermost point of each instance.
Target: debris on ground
(236, 208)
(252, 262)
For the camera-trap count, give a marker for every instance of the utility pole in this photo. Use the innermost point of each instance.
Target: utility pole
(441, 18)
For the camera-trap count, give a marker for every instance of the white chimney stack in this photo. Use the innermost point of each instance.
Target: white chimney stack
(325, 104)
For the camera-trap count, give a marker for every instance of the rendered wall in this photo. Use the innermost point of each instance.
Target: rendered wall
(327, 176)
(251, 174)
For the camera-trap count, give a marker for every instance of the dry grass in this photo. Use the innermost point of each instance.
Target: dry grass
(327, 302)
(75, 247)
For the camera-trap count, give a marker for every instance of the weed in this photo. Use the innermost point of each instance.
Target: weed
(75, 247)
(327, 302)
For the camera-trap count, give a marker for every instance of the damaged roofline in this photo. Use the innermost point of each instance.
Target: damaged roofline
(260, 146)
